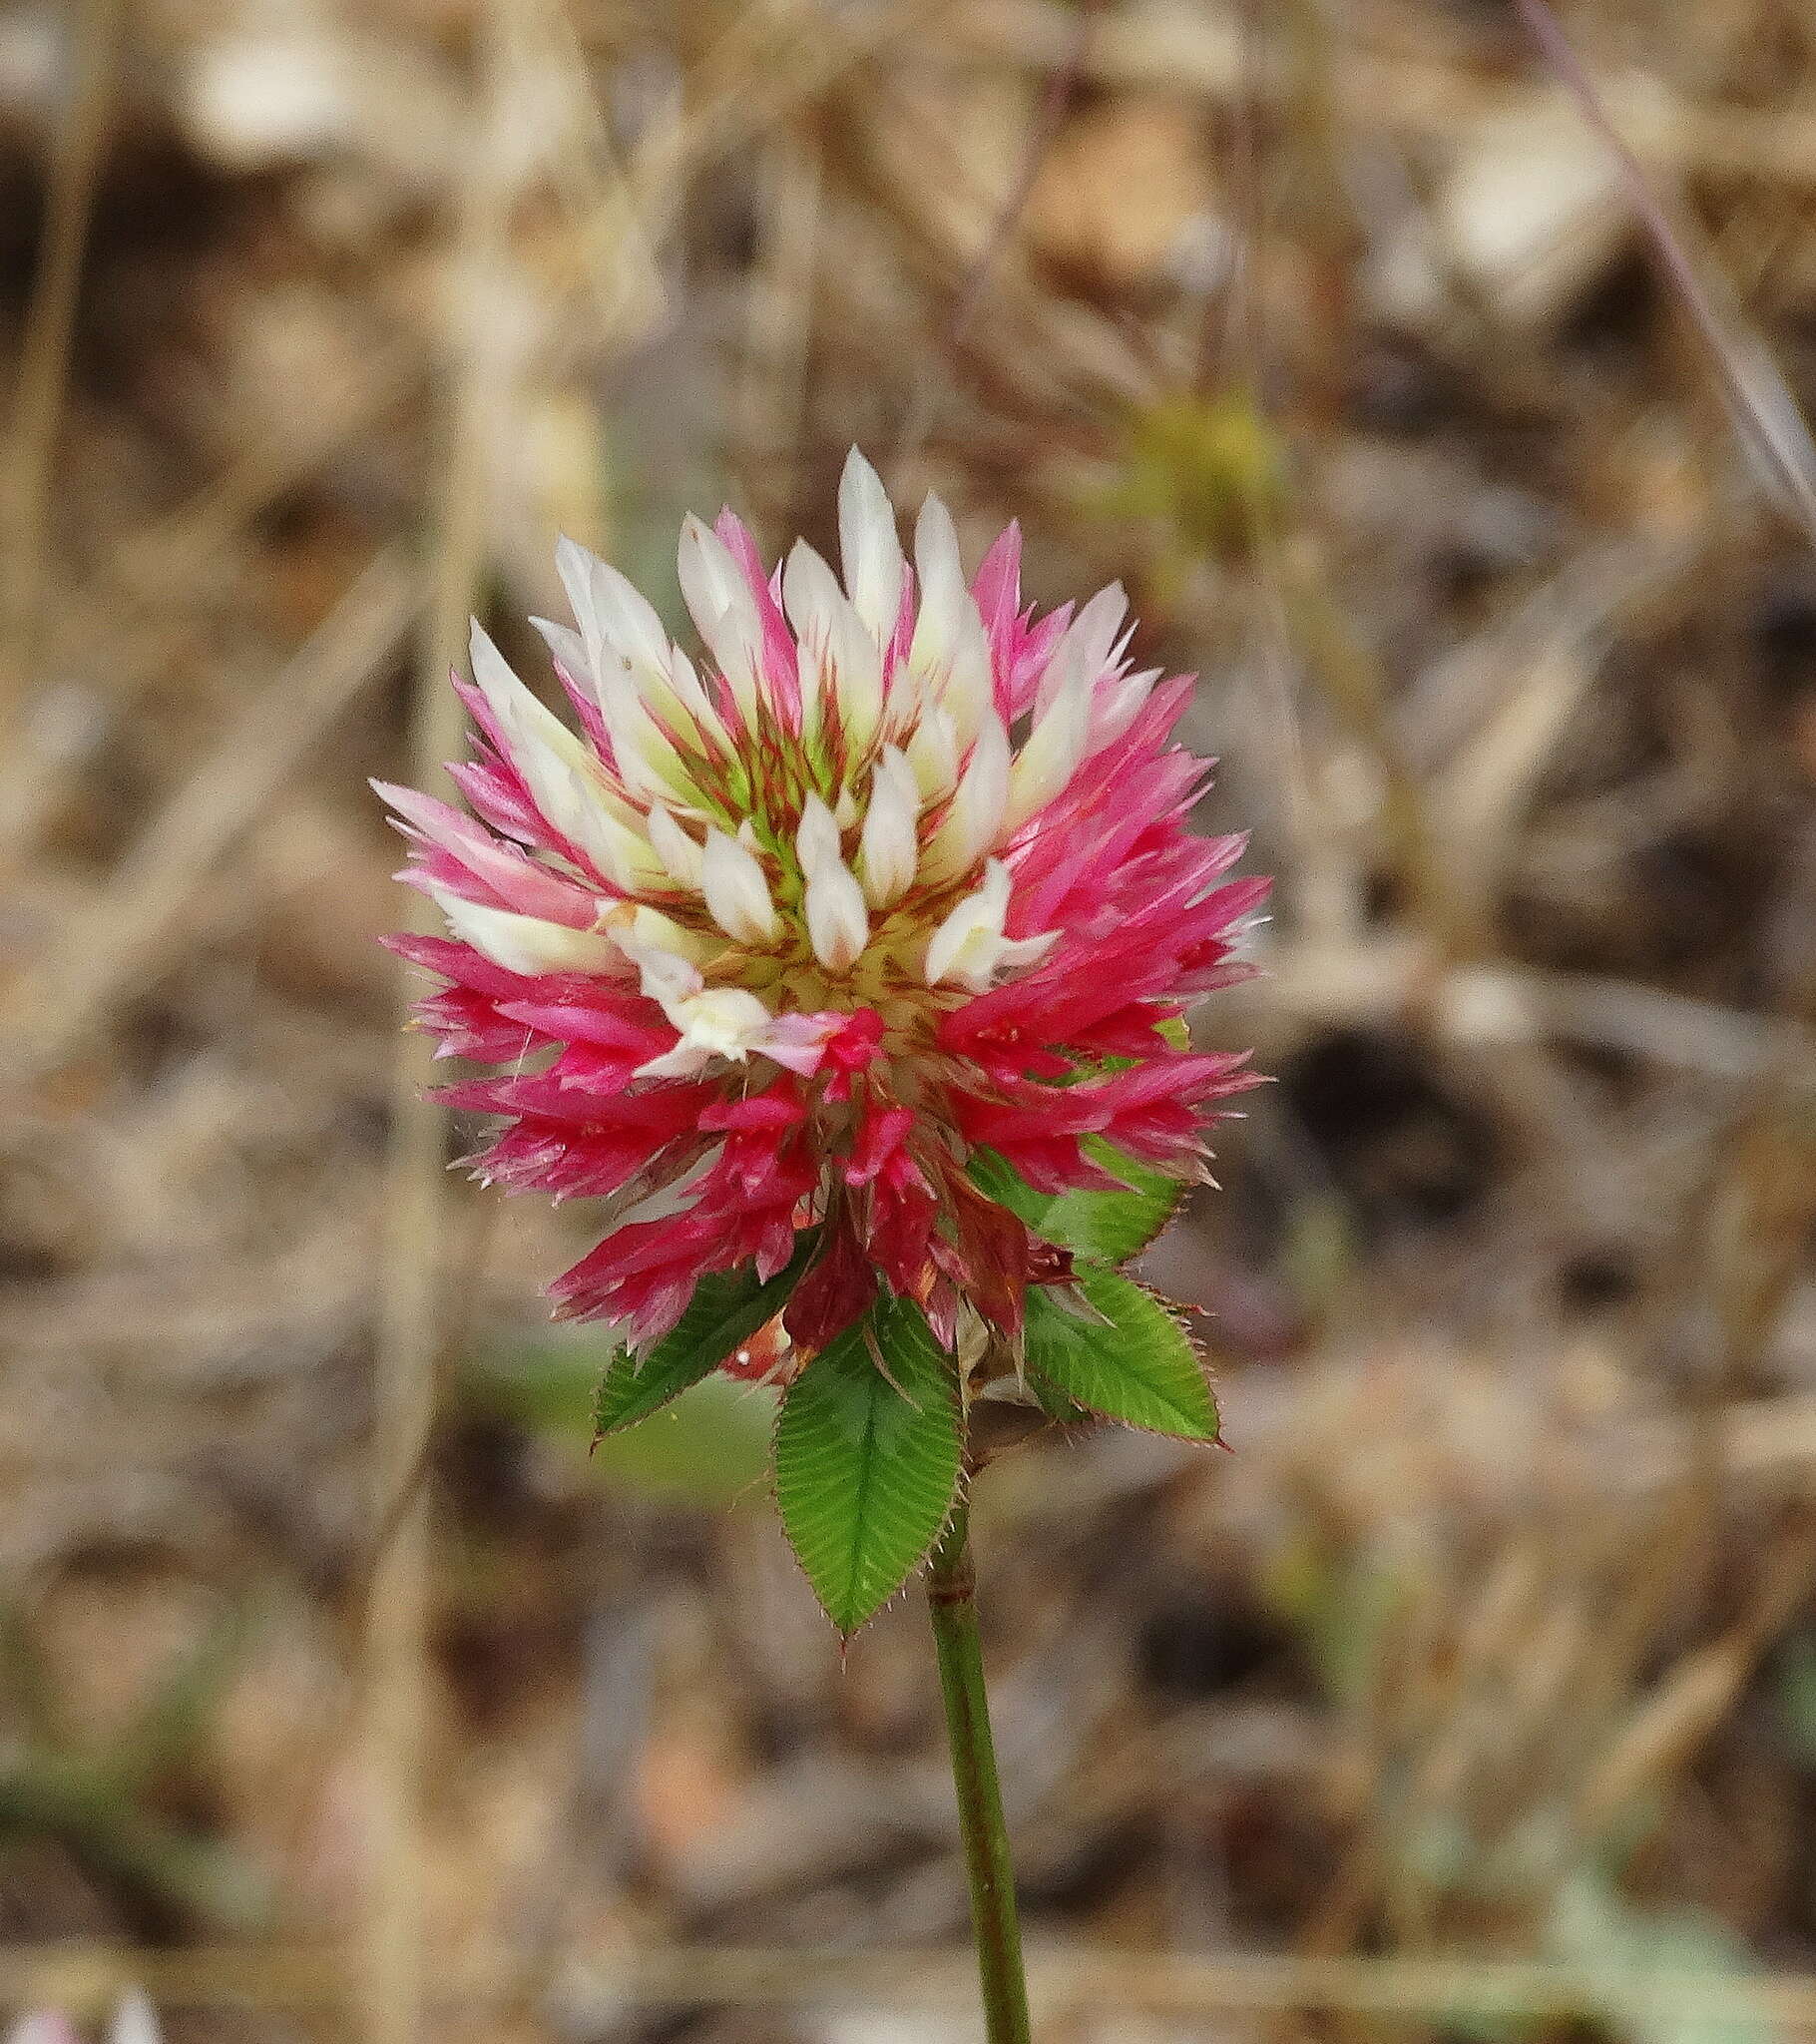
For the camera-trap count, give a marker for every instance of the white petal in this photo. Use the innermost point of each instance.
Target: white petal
(1055, 746)
(710, 579)
(817, 839)
(854, 677)
(969, 696)
(686, 1061)
(629, 703)
(693, 698)
(942, 595)
(810, 591)
(658, 944)
(677, 850)
(1116, 705)
(812, 599)
(1014, 955)
(732, 1011)
(524, 717)
(722, 607)
(951, 651)
(970, 826)
(933, 752)
(869, 548)
(647, 762)
(570, 648)
(839, 659)
(628, 620)
(969, 947)
(715, 1021)
(737, 891)
(573, 564)
(968, 929)
(526, 944)
(889, 849)
(837, 920)
(617, 844)
(564, 780)
(613, 617)
(627, 644)
(941, 591)
(1086, 648)
(666, 977)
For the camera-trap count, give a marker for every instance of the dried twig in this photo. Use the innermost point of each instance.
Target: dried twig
(1772, 427)
(69, 995)
(44, 354)
(595, 1985)
(412, 1302)
(1042, 129)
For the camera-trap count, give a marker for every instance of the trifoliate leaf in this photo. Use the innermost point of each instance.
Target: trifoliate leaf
(867, 1463)
(726, 1308)
(1127, 1358)
(1105, 1227)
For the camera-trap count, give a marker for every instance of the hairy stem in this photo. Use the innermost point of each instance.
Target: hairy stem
(952, 1600)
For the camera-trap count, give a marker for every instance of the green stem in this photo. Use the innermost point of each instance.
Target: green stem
(952, 1600)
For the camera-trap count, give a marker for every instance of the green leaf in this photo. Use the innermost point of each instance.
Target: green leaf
(728, 1307)
(867, 1466)
(1133, 1363)
(1059, 1406)
(1105, 1227)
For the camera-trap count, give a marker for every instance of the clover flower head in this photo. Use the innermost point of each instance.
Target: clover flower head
(837, 951)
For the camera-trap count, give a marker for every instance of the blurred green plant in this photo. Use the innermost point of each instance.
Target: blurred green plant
(1591, 1925)
(109, 1806)
(708, 1446)
(1207, 475)
(1797, 1693)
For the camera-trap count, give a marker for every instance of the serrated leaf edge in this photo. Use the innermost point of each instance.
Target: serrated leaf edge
(961, 1490)
(1146, 1241)
(1177, 1312)
(797, 1262)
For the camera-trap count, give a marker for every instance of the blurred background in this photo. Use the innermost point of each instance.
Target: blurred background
(1472, 1696)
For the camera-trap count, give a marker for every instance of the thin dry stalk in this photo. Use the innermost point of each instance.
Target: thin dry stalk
(1766, 418)
(1351, 681)
(128, 629)
(618, 254)
(1402, 94)
(598, 1986)
(1043, 130)
(762, 69)
(1666, 1728)
(74, 990)
(410, 1333)
(779, 326)
(44, 353)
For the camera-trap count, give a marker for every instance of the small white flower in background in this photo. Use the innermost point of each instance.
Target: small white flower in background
(135, 2021)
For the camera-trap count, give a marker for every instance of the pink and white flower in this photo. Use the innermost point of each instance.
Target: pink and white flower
(777, 940)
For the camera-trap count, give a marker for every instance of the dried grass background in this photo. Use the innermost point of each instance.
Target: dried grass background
(1474, 1695)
